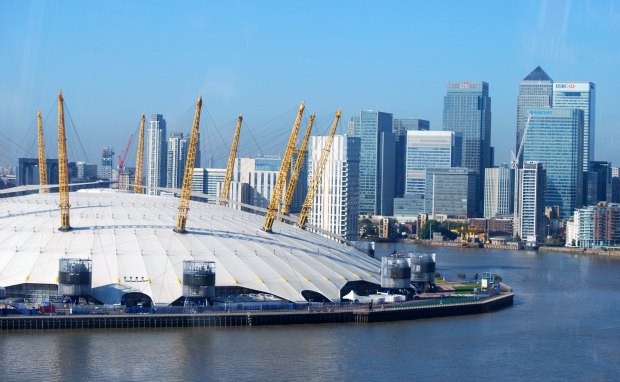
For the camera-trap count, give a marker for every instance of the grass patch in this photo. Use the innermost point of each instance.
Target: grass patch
(465, 288)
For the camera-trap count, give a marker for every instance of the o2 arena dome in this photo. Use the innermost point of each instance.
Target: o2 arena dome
(133, 250)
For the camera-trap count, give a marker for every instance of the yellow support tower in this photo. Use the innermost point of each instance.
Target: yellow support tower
(274, 204)
(137, 183)
(42, 163)
(63, 173)
(301, 156)
(318, 173)
(186, 190)
(231, 165)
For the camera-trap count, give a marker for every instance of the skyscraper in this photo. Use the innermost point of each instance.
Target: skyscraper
(529, 224)
(599, 187)
(579, 95)
(535, 92)
(336, 204)
(498, 191)
(450, 192)
(555, 139)
(377, 161)
(426, 149)
(176, 157)
(156, 154)
(107, 161)
(467, 110)
(400, 127)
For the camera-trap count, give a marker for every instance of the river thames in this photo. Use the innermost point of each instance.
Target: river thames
(564, 325)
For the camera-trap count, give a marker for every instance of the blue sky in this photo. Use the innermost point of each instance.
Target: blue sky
(117, 59)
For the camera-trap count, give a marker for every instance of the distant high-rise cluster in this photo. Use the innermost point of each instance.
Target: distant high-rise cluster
(398, 167)
(555, 127)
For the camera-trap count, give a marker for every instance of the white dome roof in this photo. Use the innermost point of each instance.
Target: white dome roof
(130, 241)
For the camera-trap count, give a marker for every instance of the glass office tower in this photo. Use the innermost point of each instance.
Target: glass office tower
(377, 161)
(579, 95)
(555, 139)
(467, 110)
(400, 128)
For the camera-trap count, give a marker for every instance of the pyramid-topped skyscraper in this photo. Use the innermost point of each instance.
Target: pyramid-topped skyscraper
(538, 74)
(535, 92)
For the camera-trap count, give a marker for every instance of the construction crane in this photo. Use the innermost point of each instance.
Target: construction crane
(514, 163)
(121, 160)
(63, 173)
(301, 156)
(274, 204)
(42, 162)
(5, 168)
(231, 165)
(137, 184)
(186, 190)
(318, 173)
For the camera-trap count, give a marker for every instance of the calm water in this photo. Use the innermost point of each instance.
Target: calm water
(565, 325)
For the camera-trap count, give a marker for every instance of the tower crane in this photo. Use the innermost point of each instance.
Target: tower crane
(186, 190)
(274, 204)
(231, 165)
(514, 163)
(301, 156)
(316, 177)
(63, 174)
(42, 162)
(137, 184)
(123, 156)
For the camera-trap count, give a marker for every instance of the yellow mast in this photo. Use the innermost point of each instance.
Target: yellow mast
(231, 165)
(137, 184)
(318, 173)
(63, 173)
(186, 190)
(301, 156)
(42, 162)
(274, 204)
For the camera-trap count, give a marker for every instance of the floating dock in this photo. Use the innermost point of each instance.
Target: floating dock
(387, 312)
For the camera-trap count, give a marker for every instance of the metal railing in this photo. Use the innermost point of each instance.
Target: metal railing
(247, 307)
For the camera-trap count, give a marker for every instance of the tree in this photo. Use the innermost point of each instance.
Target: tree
(425, 232)
(447, 233)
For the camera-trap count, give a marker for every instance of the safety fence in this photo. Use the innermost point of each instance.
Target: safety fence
(234, 307)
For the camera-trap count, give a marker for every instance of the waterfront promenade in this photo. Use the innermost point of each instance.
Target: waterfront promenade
(612, 252)
(327, 314)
